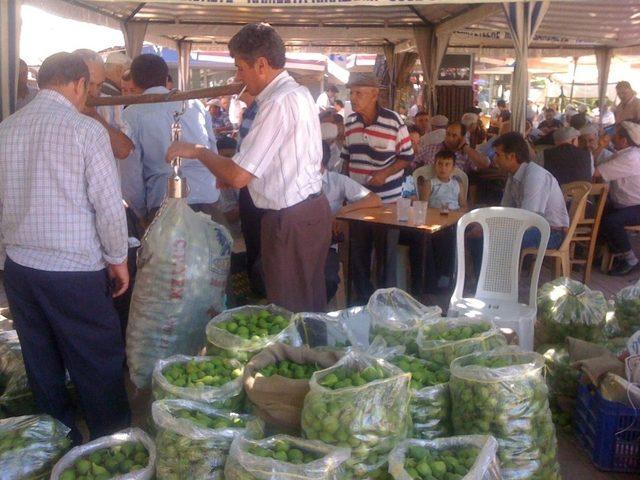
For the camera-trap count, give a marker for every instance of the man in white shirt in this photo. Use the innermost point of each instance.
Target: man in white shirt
(622, 171)
(64, 233)
(279, 160)
(327, 99)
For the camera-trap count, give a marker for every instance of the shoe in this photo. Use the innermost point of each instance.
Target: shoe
(623, 269)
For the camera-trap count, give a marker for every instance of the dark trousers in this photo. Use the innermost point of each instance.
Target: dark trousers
(362, 239)
(612, 227)
(332, 273)
(294, 245)
(66, 320)
(250, 221)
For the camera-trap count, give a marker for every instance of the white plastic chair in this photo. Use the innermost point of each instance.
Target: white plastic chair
(497, 292)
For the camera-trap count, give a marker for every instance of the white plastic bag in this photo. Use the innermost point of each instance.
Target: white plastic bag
(187, 449)
(485, 466)
(183, 266)
(244, 465)
(223, 343)
(439, 343)
(229, 396)
(125, 436)
(398, 317)
(30, 445)
(371, 417)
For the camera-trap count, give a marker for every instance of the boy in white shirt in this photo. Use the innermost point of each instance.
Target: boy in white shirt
(443, 190)
(344, 195)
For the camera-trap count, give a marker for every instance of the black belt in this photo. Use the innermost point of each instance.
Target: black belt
(313, 195)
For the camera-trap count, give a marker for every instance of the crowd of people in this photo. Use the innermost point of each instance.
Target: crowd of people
(77, 182)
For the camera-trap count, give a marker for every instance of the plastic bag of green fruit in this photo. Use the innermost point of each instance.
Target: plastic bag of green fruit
(430, 405)
(15, 395)
(443, 341)
(361, 403)
(398, 317)
(127, 455)
(242, 332)
(471, 457)
(627, 310)
(569, 308)
(282, 457)
(276, 382)
(30, 445)
(503, 393)
(562, 379)
(215, 381)
(193, 439)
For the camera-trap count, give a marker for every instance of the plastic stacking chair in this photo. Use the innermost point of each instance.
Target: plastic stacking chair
(577, 193)
(496, 295)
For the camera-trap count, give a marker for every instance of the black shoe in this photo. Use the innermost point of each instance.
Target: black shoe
(624, 269)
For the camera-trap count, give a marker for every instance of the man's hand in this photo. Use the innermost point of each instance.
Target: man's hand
(119, 276)
(378, 179)
(182, 149)
(223, 185)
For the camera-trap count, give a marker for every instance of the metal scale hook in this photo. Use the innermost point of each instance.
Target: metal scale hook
(177, 184)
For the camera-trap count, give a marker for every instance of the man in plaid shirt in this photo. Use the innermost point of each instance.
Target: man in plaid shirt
(64, 234)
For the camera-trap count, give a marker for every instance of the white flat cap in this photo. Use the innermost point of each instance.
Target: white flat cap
(565, 134)
(469, 119)
(439, 121)
(590, 129)
(328, 130)
(633, 129)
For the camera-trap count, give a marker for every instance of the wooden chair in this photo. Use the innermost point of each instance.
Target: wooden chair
(428, 172)
(577, 193)
(588, 228)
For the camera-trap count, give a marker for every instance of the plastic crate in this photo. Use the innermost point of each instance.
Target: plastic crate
(609, 431)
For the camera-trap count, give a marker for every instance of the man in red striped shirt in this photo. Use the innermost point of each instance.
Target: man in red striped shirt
(377, 150)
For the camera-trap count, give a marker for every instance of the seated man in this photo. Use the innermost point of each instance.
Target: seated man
(595, 144)
(150, 129)
(531, 187)
(549, 125)
(344, 195)
(623, 172)
(437, 133)
(422, 123)
(467, 158)
(566, 161)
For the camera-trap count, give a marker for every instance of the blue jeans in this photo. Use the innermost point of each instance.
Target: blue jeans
(530, 239)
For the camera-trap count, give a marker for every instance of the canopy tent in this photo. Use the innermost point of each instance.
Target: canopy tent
(428, 27)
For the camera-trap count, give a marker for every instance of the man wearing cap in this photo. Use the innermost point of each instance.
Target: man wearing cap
(377, 150)
(591, 141)
(220, 122)
(467, 159)
(438, 131)
(622, 171)
(280, 161)
(629, 106)
(566, 161)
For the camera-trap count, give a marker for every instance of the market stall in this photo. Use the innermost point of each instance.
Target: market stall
(428, 28)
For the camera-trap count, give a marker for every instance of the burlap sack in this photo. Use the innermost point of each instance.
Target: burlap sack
(278, 400)
(594, 360)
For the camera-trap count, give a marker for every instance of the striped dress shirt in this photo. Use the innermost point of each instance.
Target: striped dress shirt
(369, 148)
(61, 205)
(283, 147)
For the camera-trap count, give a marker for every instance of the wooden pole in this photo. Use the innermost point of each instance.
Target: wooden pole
(172, 96)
